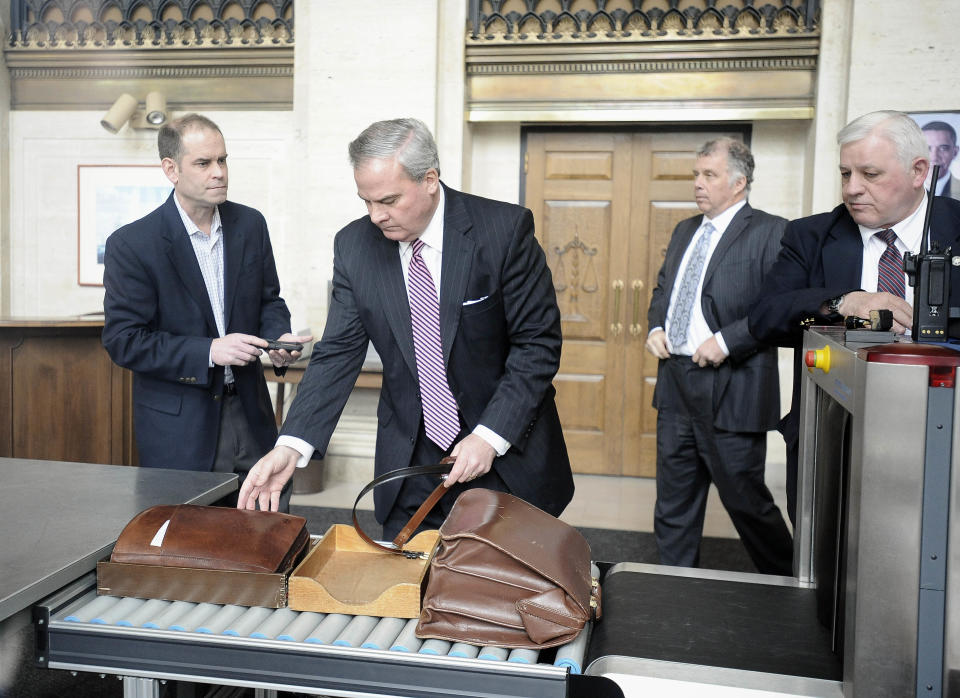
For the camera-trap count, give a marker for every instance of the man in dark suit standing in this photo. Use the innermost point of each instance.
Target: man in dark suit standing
(849, 261)
(455, 294)
(717, 390)
(191, 293)
(942, 144)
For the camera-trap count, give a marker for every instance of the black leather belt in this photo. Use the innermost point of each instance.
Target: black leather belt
(229, 388)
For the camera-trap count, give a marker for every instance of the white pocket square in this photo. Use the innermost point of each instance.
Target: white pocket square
(478, 300)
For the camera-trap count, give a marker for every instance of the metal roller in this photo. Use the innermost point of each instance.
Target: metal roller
(272, 626)
(521, 656)
(148, 610)
(328, 629)
(190, 621)
(301, 627)
(356, 631)
(432, 646)
(170, 614)
(407, 640)
(96, 606)
(571, 654)
(118, 613)
(462, 649)
(248, 622)
(494, 654)
(221, 620)
(384, 634)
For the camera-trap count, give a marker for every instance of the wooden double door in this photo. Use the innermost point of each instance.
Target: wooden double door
(605, 204)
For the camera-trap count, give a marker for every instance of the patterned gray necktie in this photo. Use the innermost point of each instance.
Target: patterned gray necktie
(687, 292)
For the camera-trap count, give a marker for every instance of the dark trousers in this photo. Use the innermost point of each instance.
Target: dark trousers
(414, 490)
(237, 451)
(692, 452)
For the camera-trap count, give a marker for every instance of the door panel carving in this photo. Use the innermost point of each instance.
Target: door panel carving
(605, 205)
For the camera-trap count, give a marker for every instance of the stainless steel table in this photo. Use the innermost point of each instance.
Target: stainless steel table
(58, 519)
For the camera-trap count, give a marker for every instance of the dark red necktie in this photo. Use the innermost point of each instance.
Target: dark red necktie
(890, 268)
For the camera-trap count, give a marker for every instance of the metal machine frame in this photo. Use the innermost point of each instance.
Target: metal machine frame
(895, 569)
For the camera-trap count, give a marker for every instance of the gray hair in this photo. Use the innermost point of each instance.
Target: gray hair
(408, 140)
(898, 128)
(739, 158)
(170, 137)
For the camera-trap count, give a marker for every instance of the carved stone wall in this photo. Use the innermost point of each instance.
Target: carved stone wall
(203, 54)
(640, 60)
(566, 21)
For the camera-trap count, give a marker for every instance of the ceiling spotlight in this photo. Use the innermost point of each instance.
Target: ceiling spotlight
(119, 113)
(156, 108)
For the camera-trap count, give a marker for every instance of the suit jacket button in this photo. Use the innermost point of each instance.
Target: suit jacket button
(412, 439)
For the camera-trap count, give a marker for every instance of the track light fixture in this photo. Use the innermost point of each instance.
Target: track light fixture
(156, 113)
(125, 109)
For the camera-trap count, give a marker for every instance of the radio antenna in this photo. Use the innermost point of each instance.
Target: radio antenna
(925, 237)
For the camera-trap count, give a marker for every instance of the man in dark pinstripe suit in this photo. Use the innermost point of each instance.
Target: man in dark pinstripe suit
(499, 329)
(717, 388)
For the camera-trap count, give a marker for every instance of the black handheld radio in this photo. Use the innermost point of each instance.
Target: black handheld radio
(928, 272)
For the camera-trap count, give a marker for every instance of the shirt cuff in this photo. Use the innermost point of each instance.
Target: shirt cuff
(499, 444)
(210, 356)
(300, 446)
(723, 345)
(654, 329)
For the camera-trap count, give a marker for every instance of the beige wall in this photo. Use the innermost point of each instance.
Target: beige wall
(348, 74)
(878, 54)
(4, 165)
(45, 149)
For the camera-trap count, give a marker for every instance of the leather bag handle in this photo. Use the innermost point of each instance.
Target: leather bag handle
(442, 468)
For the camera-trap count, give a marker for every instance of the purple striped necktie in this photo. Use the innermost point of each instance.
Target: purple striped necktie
(440, 419)
(890, 267)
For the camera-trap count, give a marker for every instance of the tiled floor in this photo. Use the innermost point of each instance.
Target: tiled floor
(599, 502)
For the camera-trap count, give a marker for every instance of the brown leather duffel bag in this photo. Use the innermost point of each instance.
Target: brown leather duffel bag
(506, 573)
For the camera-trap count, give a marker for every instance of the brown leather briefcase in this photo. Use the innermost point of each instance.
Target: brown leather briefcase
(506, 573)
(213, 538)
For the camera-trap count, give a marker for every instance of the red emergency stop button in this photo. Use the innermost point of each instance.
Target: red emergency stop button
(818, 358)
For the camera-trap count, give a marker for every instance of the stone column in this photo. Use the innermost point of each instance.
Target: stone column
(4, 164)
(355, 63)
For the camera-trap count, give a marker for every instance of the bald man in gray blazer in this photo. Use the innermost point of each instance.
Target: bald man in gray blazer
(717, 390)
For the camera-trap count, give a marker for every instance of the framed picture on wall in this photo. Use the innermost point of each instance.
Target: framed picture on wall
(940, 130)
(108, 197)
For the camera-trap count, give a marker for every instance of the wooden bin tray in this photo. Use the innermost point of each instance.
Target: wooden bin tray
(344, 574)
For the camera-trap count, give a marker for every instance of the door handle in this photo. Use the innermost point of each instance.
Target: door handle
(616, 327)
(635, 327)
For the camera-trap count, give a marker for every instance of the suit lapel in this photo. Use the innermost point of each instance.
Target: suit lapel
(684, 235)
(233, 242)
(739, 224)
(393, 295)
(945, 226)
(458, 251)
(842, 246)
(184, 260)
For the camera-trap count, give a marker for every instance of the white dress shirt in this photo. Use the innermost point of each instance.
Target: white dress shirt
(699, 331)
(909, 231)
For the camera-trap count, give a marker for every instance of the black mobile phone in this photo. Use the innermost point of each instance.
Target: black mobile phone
(274, 345)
